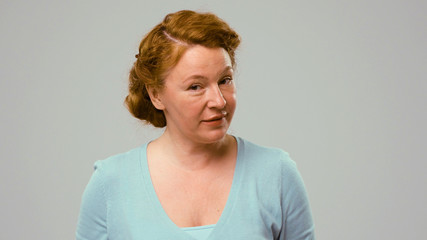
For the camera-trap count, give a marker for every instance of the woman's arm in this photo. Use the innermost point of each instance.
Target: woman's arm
(297, 219)
(92, 224)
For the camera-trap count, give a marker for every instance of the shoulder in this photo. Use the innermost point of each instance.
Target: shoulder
(271, 163)
(265, 156)
(120, 164)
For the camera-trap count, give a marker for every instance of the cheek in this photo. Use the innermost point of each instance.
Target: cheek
(230, 96)
(231, 101)
(192, 109)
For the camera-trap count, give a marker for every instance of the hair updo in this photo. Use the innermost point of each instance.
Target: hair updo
(161, 49)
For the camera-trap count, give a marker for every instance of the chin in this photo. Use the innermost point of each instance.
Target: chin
(214, 136)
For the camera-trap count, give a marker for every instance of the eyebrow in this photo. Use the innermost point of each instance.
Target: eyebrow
(201, 77)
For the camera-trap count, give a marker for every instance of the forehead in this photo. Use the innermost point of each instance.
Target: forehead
(202, 60)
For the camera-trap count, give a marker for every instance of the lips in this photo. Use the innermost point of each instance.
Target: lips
(216, 117)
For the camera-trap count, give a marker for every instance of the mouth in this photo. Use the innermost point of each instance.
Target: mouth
(216, 117)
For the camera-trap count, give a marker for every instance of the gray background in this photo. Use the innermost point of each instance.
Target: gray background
(340, 85)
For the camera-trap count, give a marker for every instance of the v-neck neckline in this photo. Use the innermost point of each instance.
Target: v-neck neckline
(225, 215)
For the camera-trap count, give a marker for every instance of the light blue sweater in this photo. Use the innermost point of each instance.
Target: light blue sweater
(267, 200)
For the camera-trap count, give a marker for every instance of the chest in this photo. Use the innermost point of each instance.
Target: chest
(194, 199)
(244, 215)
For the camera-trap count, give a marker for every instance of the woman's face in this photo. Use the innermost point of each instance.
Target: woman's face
(199, 96)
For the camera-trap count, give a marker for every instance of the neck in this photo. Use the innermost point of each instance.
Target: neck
(191, 156)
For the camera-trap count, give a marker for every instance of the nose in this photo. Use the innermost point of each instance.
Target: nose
(215, 98)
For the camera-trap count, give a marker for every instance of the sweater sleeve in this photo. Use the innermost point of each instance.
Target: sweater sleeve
(297, 219)
(92, 223)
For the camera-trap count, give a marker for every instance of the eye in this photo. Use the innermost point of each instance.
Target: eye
(194, 87)
(225, 81)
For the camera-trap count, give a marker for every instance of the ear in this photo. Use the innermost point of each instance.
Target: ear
(155, 97)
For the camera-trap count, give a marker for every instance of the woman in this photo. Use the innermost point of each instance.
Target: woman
(195, 181)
